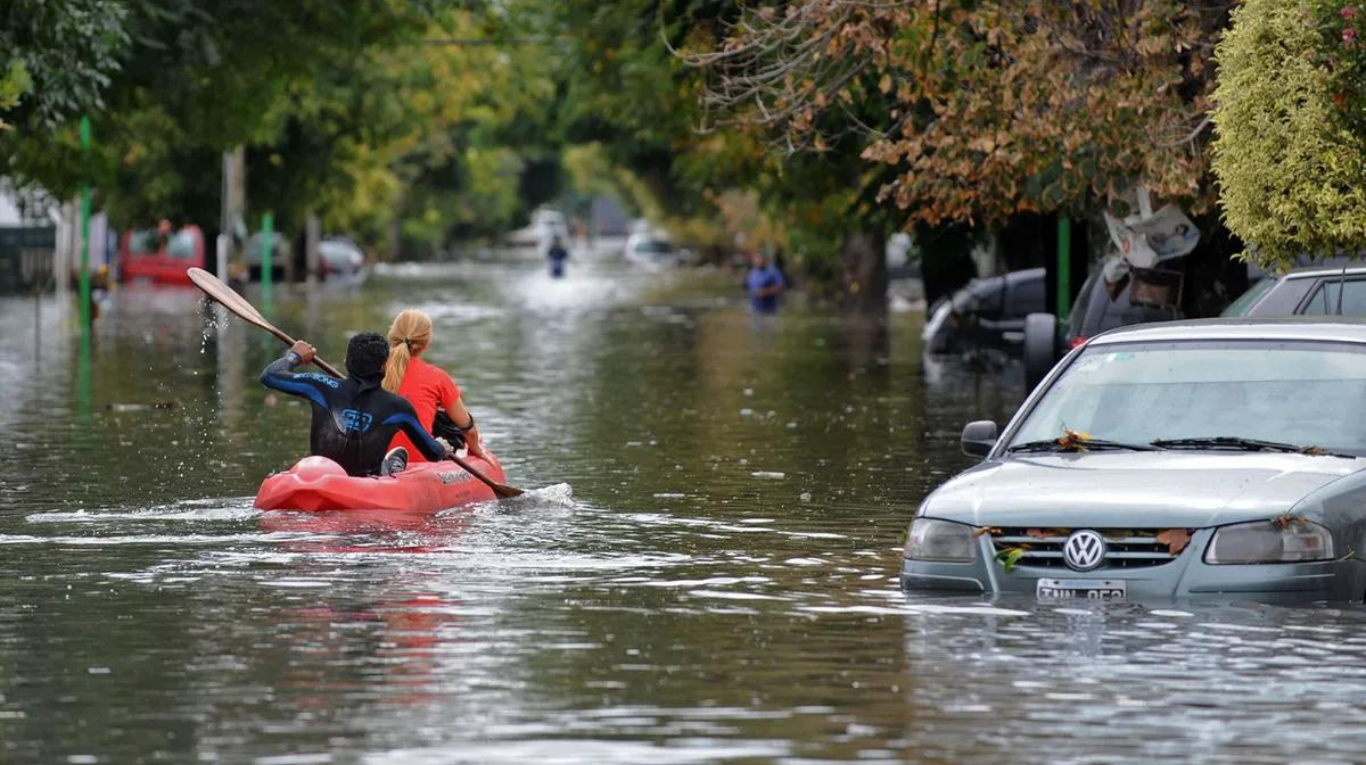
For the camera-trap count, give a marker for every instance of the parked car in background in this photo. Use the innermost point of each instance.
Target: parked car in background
(1203, 458)
(338, 257)
(1310, 291)
(280, 253)
(1143, 296)
(160, 257)
(652, 248)
(986, 314)
(341, 257)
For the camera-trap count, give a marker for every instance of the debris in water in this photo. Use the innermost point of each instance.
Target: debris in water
(167, 404)
(768, 474)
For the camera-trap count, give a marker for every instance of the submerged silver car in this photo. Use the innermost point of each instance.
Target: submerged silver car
(1209, 458)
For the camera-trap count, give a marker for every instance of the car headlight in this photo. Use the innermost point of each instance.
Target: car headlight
(931, 539)
(1290, 541)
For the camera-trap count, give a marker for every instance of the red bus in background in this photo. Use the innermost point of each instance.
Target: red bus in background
(160, 257)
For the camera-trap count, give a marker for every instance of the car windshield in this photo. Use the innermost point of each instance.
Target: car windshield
(1096, 311)
(1302, 393)
(977, 293)
(149, 242)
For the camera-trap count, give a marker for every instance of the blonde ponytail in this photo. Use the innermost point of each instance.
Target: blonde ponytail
(409, 336)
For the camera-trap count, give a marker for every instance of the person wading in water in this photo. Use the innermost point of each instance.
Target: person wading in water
(354, 419)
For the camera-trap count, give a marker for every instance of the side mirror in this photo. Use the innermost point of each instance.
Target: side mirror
(979, 437)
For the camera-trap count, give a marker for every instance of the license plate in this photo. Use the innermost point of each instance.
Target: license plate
(1081, 589)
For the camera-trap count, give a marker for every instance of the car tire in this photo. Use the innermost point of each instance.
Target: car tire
(1040, 347)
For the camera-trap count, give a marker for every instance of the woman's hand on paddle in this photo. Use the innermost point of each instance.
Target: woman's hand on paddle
(304, 351)
(447, 445)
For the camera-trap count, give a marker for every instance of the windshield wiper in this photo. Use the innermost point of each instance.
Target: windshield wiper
(1055, 445)
(1244, 444)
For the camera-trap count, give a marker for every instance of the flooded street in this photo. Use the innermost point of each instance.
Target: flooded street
(706, 570)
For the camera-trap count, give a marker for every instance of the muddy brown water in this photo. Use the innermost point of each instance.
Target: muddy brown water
(705, 572)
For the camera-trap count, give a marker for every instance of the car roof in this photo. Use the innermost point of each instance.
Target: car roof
(1333, 329)
(1309, 272)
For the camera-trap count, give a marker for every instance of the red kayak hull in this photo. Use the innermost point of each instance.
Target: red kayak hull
(317, 484)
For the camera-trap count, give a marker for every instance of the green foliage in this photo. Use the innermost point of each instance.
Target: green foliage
(13, 85)
(342, 106)
(64, 51)
(1291, 172)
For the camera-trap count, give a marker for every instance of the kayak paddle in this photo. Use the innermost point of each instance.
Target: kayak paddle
(216, 289)
(225, 295)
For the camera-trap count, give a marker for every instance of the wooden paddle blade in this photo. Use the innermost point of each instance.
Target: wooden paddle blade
(506, 492)
(216, 289)
(228, 297)
(500, 490)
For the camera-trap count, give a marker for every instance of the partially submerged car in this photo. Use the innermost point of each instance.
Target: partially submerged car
(986, 314)
(1204, 458)
(652, 248)
(1143, 296)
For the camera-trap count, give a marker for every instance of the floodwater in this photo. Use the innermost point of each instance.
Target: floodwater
(705, 572)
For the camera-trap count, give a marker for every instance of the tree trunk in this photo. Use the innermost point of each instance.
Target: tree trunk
(865, 272)
(312, 233)
(945, 264)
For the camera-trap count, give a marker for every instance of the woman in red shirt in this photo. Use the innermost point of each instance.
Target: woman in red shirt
(425, 386)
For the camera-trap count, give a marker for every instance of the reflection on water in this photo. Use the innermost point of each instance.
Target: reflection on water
(707, 572)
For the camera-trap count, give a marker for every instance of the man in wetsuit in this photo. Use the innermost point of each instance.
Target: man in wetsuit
(353, 419)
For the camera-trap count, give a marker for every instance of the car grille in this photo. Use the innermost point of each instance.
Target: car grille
(1125, 548)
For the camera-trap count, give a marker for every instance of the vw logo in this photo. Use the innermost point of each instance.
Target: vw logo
(1084, 550)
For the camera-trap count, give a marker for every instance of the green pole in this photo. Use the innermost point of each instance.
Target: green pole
(267, 234)
(85, 229)
(1064, 267)
(83, 380)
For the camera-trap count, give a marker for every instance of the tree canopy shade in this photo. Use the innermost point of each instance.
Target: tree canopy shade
(1290, 147)
(989, 107)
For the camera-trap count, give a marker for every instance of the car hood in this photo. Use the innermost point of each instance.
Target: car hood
(1134, 489)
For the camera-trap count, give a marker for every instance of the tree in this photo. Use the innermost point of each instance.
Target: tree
(170, 85)
(987, 108)
(1290, 144)
(57, 58)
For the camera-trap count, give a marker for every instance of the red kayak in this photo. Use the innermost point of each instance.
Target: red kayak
(318, 484)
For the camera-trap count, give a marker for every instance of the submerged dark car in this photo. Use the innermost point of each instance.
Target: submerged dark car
(988, 313)
(1207, 458)
(1143, 297)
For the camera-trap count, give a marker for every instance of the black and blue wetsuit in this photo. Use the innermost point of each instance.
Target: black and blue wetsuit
(353, 419)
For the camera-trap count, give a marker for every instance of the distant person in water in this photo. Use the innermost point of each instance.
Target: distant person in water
(765, 284)
(434, 395)
(354, 419)
(558, 255)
